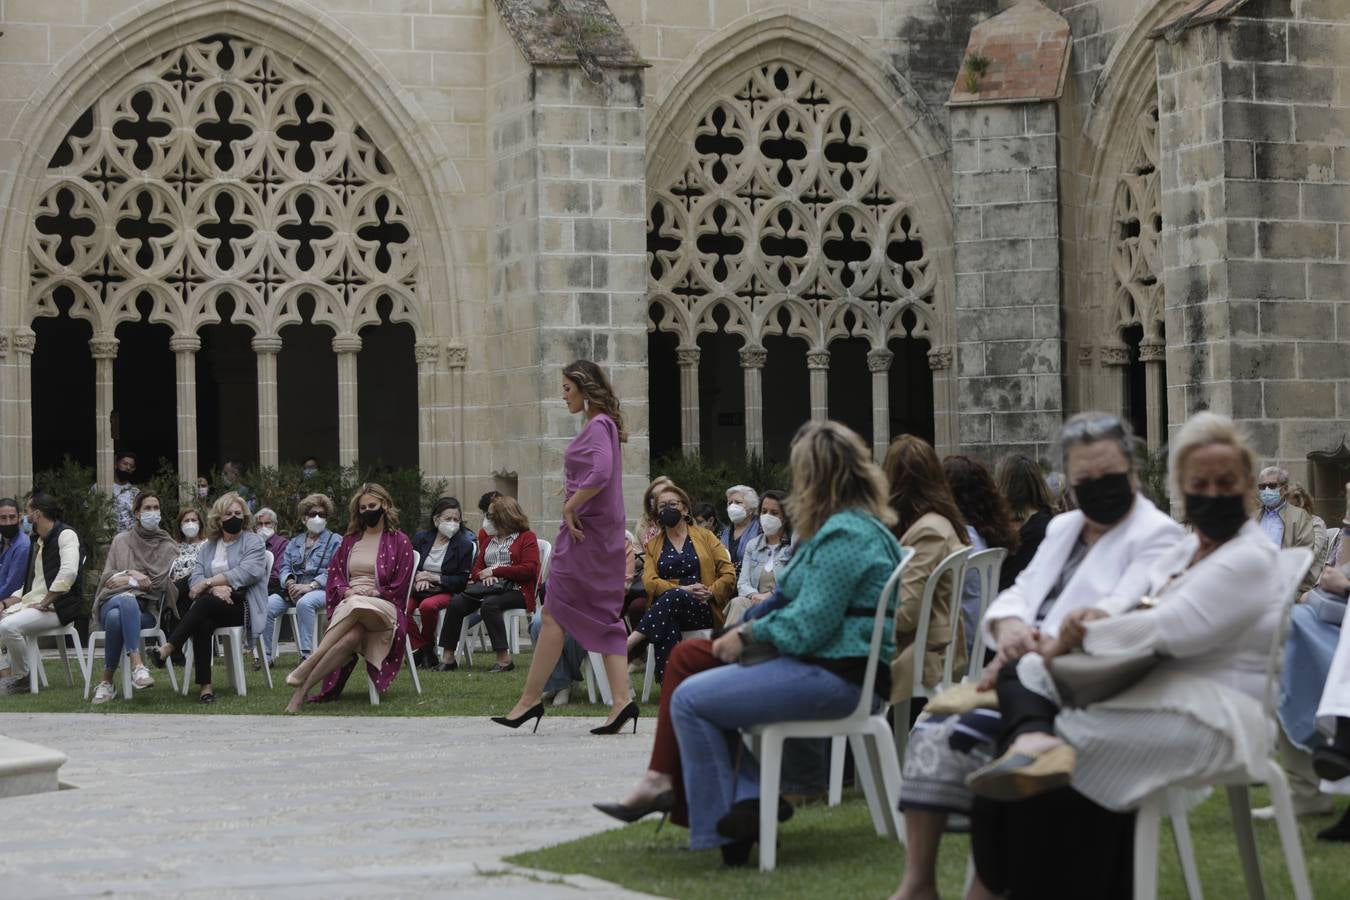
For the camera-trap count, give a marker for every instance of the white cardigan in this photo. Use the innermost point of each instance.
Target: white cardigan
(1119, 563)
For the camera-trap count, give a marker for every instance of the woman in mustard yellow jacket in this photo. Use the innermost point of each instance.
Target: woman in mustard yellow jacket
(688, 576)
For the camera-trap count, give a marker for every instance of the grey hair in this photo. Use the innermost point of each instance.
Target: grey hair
(751, 496)
(1093, 426)
(267, 511)
(1281, 474)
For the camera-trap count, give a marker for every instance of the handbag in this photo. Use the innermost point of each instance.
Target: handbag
(480, 591)
(1082, 679)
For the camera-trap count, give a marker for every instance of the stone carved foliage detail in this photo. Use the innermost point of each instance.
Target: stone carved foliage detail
(1136, 255)
(222, 169)
(785, 219)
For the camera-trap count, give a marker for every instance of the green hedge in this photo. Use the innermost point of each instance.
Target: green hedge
(706, 480)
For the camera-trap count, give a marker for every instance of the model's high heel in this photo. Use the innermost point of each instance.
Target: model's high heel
(535, 712)
(630, 711)
(663, 803)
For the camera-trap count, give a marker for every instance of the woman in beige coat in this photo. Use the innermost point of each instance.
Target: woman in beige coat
(932, 526)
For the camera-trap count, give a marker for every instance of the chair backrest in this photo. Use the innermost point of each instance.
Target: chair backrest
(889, 594)
(1332, 535)
(545, 553)
(987, 564)
(417, 562)
(955, 566)
(1293, 564)
(271, 561)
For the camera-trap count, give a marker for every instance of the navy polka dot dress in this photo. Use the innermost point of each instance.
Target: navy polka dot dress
(676, 610)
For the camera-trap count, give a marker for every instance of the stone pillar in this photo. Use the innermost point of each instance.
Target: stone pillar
(428, 353)
(818, 363)
(346, 346)
(185, 347)
(688, 358)
(103, 347)
(1115, 360)
(1153, 354)
(1006, 188)
(879, 364)
(267, 346)
(25, 342)
(752, 366)
(457, 358)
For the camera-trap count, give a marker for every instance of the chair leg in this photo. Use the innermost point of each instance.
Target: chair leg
(1283, 802)
(187, 667)
(901, 730)
(866, 772)
(126, 678)
(1181, 836)
(770, 768)
(236, 659)
(837, 750)
(970, 875)
(267, 666)
(1146, 827)
(36, 675)
(374, 694)
(65, 660)
(649, 675)
(886, 771)
(410, 661)
(1240, 809)
(597, 663)
(89, 669)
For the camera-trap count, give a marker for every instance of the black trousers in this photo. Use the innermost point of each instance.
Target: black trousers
(462, 606)
(1023, 710)
(207, 613)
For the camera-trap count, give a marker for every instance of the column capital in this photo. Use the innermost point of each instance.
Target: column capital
(879, 360)
(1115, 355)
(4, 345)
(1085, 354)
(754, 357)
(346, 343)
(103, 346)
(818, 359)
(940, 358)
(1152, 350)
(427, 350)
(25, 340)
(266, 343)
(688, 356)
(185, 343)
(456, 355)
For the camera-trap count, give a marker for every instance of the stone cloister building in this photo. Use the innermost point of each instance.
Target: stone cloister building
(375, 230)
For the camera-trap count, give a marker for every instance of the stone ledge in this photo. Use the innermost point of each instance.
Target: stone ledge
(28, 768)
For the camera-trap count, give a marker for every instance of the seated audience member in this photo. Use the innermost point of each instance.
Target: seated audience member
(764, 558)
(1206, 613)
(203, 488)
(230, 474)
(368, 582)
(1032, 506)
(930, 524)
(743, 514)
(227, 588)
(1331, 760)
(568, 671)
(132, 591)
(1299, 496)
(648, 524)
(123, 490)
(309, 468)
(484, 502)
(705, 516)
(1285, 524)
(689, 579)
(988, 524)
(275, 542)
(845, 557)
(1106, 547)
(50, 594)
(304, 575)
(635, 597)
(446, 551)
(504, 576)
(14, 545)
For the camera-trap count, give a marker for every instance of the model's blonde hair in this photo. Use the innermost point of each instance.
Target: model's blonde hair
(832, 470)
(1203, 430)
(377, 491)
(595, 387)
(218, 510)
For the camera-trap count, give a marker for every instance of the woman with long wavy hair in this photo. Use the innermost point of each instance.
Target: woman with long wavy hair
(586, 572)
(989, 524)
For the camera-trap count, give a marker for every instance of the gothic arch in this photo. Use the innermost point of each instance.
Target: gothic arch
(798, 182)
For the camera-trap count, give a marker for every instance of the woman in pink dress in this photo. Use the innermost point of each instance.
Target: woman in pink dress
(586, 572)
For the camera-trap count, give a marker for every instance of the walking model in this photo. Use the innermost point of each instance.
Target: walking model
(586, 572)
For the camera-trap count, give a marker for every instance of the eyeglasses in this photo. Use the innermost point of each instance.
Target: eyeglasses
(672, 505)
(1273, 485)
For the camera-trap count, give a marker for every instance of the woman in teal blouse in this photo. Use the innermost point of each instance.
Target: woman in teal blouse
(845, 555)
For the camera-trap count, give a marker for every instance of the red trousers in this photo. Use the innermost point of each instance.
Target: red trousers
(424, 635)
(688, 658)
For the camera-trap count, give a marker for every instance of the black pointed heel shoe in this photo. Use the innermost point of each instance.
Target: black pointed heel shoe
(631, 711)
(535, 712)
(662, 803)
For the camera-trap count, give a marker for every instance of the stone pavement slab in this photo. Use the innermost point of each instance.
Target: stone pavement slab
(254, 806)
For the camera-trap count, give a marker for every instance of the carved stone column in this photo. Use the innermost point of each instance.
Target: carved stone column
(267, 346)
(1153, 353)
(428, 354)
(818, 362)
(752, 362)
(346, 346)
(457, 358)
(1115, 359)
(185, 347)
(879, 364)
(688, 358)
(25, 342)
(103, 347)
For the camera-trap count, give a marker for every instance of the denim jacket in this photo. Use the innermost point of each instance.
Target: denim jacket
(312, 566)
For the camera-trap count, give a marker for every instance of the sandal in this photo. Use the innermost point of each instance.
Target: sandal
(206, 698)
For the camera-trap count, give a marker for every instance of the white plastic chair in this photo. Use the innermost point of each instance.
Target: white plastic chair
(513, 619)
(868, 734)
(37, 672)
(1293, 564)
(154, 632)
(231, 639)
(988, 563)
(409, 660)
(954, 567)
(290, 613)
(650, 675)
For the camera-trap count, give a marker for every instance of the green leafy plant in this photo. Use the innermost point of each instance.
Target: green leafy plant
(706, 480)
(976, 65)
(1153, 478)
(84, 508)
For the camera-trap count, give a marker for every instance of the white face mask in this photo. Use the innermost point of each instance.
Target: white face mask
(202, 492)
(191, 529)
(448, 529)
(770, 524)
(736, 513)
(489, 527)
(265, 532)
(150, 520)
(316, 524)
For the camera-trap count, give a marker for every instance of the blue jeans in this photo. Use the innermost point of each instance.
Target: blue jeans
(569, 664)
(307, 610)
(122, 622)
(709, 708)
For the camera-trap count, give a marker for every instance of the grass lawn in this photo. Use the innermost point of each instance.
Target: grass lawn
(833, 852)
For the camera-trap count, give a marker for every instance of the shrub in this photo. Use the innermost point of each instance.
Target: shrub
(87, 510)
(706, 480)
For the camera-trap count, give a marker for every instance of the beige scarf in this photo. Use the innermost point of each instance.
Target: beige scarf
(151, 552)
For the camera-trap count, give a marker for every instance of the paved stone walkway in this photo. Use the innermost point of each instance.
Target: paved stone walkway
(254, 806)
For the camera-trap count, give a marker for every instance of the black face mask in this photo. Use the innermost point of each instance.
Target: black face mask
(1105, 500)
(670, 517)
(9, 532)
(122, 476)
(232, 526)
(1217, 518)
(371, 517)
